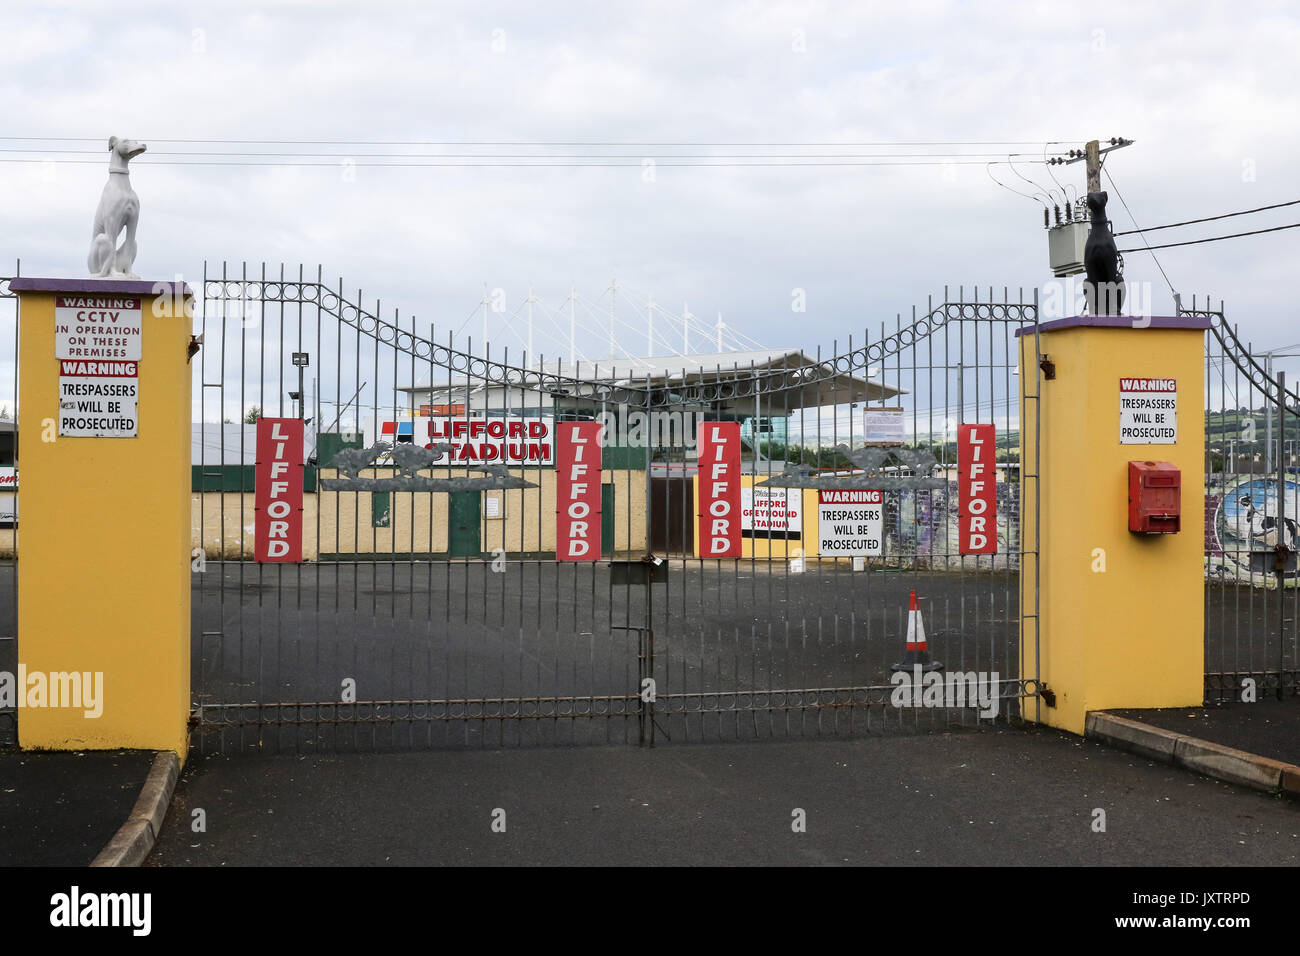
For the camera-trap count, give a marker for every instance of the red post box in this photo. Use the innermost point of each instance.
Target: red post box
(1154, 496)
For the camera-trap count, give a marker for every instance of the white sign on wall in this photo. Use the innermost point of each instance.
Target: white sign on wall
(850, 523)
(98, 344)
(98, 327)
(771, 511)
(883, 426)
(1148, 411)
(98, 406)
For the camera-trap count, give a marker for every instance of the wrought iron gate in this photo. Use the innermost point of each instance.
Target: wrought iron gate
(1252, 492)
(8, 503)
(429, 618)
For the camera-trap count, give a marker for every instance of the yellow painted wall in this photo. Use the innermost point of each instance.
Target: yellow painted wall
(1133, 634)
(222, 523)
(105, 578)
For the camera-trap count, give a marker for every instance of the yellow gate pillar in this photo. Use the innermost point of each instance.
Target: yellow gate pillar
(104, 457)
(1121, 614)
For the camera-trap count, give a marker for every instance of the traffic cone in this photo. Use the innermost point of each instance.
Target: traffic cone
(917, 654)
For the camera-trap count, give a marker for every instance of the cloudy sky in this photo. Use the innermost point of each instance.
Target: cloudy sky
(1208, 91)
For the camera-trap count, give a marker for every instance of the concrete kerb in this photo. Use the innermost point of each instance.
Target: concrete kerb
(1192, 753)
(136, 837)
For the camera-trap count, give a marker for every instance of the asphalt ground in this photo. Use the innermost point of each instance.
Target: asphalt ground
(726, 635)
(61, 809)
(1001, 798)
(741, 649)
(1268, 727)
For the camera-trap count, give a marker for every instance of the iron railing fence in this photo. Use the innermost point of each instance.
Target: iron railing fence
(8, 498)
(1252, 492)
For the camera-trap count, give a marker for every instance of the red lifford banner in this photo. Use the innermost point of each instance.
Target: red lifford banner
(278, 525)
(577, 491)
(719, 484)
(977, 498)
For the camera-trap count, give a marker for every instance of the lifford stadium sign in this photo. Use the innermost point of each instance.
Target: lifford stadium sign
(495, 441)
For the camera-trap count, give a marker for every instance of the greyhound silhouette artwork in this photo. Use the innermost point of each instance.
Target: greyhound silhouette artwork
(119, 210)
(1104, 288)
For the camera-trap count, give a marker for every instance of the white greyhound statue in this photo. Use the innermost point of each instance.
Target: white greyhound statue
(119, 208)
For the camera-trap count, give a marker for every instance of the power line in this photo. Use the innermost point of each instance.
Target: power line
(635, 163)
(1226, 215)
(347, 142)
(316, 155)
(1235, 235)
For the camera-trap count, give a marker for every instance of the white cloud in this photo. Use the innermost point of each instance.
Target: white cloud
(1201, 90)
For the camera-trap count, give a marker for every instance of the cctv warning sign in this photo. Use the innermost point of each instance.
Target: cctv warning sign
(98, 327)
(1148, 411)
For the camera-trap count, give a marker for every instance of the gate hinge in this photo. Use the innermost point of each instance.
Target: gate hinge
(1048, 367)
(1048, 695)
(1281, 555)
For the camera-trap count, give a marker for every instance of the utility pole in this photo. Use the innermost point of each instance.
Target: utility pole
(1092, 158)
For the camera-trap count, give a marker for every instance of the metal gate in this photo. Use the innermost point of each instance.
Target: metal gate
(1252, 492)
(435, 614)
(8, 501)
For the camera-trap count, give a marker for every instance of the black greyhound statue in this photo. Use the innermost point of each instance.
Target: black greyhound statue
(1104, 288)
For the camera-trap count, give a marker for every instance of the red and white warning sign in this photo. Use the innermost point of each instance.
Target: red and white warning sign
(719, 489)
(577, 491)
(850, 522)
(977, 515)
(278, 523)
(1148, 411)
(98, 399)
